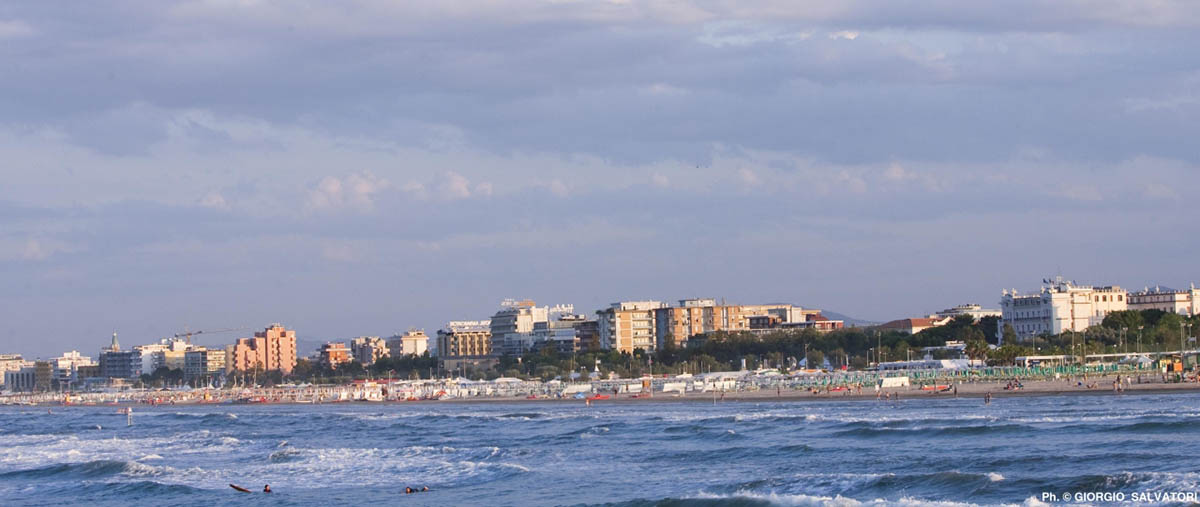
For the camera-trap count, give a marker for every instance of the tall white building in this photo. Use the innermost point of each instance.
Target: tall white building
(66, 366)
(1060, 306)
(11, 362)
(413, 342)
(512, 327)
(1182, 302)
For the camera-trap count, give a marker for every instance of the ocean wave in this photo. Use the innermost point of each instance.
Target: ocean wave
(88, 469)
(756, 499)
(969, 430)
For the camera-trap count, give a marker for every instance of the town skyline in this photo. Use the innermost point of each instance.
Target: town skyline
(204, 335)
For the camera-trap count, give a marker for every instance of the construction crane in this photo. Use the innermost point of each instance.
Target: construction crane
(187, 335)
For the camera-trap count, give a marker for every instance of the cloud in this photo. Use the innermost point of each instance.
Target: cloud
(151, 135)
(11, 29)
(453, 186)
(213, 200)
(32, 249)
(355, 192)
(748, 177)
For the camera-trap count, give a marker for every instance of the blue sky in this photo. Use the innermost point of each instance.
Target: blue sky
(362, 167)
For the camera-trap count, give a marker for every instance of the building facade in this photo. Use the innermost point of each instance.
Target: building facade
(460, 338)
(1182, 302)
(974, 310)
(628, 325)
(66, 367)
(38, 377)
(334, 354)
(696, 316)
(120, 364)
(274, 348)
(202, 362)
(11, 362)
(913, 326)
(1060, 306)
(413, 342)
(368, 349)
(512, 327)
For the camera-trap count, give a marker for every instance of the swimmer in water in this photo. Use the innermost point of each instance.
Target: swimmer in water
(266, 488)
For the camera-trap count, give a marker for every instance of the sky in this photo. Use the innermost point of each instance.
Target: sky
(365, 167)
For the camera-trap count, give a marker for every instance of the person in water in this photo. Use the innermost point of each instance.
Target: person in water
(266, 488)
(408, 490)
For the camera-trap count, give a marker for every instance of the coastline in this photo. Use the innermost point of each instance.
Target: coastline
(1039, 388)
(1103, 386)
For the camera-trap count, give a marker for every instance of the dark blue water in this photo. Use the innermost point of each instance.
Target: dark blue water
(736, 453)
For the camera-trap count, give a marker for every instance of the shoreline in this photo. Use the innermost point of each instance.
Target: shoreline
(1032, 388)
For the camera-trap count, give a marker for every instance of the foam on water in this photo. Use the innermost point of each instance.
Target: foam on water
(926, 452)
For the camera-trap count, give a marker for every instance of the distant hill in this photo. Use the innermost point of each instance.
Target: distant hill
(305, 348)
(850, 321)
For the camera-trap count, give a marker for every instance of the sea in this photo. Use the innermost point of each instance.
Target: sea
(914, 451)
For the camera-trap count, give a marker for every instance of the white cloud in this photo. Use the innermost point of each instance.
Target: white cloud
(355, 192)
(748, 177)
(1159, 191)
(341, 252)
(11, 29)
(32, 249)
(1080, 192)
(453, 186)
(844, 34)
(213, 200)
(558, 188)
(660, 180)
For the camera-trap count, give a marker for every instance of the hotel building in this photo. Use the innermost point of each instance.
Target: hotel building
(271, 349)
(204, 362)
(628, 325)
(465, 338)
(368, 349)
(1060, 306)
(465, 345)
(974, 310)
(333, 354)
(512, 327)
(1182, 302)
(697, 316)
(414, 342)
(67, 366)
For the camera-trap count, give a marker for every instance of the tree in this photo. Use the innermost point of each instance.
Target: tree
(1010, 335)
(816, 359)
(977, 349)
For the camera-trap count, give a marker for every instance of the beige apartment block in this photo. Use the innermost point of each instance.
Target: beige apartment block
(271, 349)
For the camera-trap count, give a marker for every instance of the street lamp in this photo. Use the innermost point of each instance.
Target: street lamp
(1139, 343)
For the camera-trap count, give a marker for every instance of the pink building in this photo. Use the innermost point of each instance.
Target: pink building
(271, 349)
